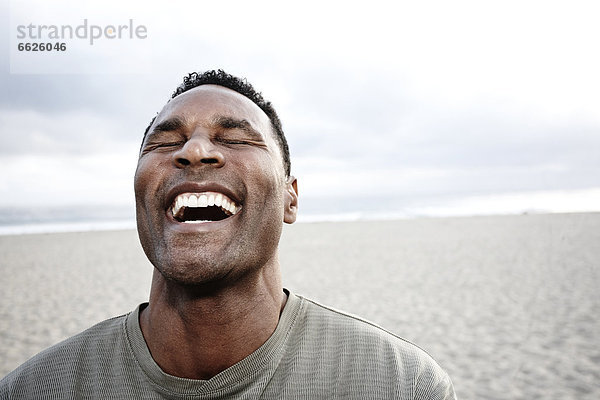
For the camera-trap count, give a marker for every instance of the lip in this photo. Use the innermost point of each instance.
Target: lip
(196, 187)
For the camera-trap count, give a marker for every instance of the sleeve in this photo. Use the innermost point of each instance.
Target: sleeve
(444, 390)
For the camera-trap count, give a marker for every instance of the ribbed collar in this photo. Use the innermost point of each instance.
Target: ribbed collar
(228, 382)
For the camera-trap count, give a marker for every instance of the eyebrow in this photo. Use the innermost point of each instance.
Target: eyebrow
(234, 123)
(170, 124)
(221, 121)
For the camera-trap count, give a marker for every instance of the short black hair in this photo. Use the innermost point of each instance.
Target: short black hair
(240, 85)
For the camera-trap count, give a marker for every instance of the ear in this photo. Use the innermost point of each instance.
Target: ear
(291, 201)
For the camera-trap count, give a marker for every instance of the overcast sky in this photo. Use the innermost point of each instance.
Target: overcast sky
(491, 100)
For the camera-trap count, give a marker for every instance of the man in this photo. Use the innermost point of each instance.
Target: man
(213, 188)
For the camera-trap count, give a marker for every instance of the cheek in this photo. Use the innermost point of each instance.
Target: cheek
(263, 180)
(265, 184)
(146, 224)
(139, 179)
(146, 178)
(145, 188)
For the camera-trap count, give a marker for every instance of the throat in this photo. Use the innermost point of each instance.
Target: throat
(209, 214)
(194, 349)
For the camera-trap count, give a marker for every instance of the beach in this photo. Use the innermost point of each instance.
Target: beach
(508, 305)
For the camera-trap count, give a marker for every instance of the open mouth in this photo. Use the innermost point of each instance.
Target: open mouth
(203, 207)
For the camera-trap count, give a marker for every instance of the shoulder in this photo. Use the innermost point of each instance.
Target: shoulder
(60, 364)
(351, 328)
(372, 351)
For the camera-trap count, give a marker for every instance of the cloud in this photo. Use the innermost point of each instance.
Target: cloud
(27, 132)
(403, 99)
(47, 180)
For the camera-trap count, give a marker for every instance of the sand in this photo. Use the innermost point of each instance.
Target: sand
(509, 306)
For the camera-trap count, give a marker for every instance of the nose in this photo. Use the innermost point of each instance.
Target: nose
(198, 151)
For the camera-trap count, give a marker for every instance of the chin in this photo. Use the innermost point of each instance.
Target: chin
(193, 274)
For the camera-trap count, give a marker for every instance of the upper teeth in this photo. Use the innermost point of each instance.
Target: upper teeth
(204, 200)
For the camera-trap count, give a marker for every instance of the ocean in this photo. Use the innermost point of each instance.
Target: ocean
(77, 218)
(74, 218)
(81, 218)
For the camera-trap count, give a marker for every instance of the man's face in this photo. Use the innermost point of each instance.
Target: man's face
(211, 145)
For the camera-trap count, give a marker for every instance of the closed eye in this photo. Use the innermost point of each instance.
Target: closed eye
(235, 142)
(158, 146)
(232, 141)
(170, 144)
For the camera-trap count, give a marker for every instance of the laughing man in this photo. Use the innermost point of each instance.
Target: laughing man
(213, 189)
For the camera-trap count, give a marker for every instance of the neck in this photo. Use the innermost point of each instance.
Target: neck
(197, 334)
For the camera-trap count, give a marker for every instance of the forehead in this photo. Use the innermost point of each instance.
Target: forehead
(204, 103)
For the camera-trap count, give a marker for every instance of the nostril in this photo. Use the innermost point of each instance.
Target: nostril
(209, 161)
(183, 161)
